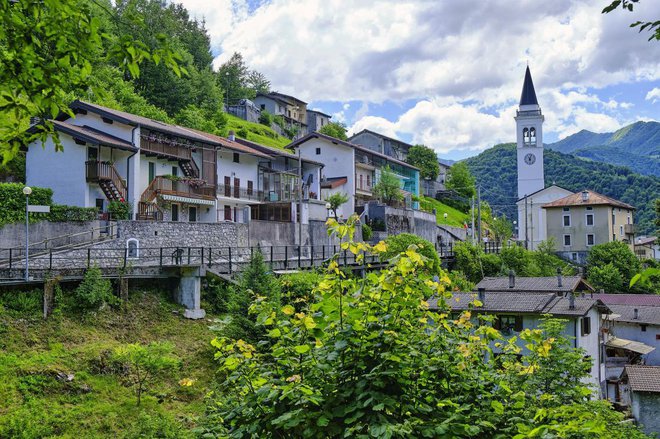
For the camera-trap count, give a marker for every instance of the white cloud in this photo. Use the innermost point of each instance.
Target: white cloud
(462, 61)
(653, 95)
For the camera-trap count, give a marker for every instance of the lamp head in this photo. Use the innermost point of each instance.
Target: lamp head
(327, 205)
(27, 190)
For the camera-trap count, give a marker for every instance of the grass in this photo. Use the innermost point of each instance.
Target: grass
(36, 401)
(257, 132)
(455, 217)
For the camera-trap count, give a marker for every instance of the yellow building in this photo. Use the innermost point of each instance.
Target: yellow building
(584, 219)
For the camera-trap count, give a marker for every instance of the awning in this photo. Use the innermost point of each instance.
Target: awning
(187, 200)
(629, 345)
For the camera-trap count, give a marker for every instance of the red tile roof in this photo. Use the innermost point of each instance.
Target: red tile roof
(593, 199)
(629, 299)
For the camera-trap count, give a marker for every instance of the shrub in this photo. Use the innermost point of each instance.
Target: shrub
(471, 260)
(242, 133)
(61, 213)
(606, 277)
(94, 291)
(265, 118)
(397, 244)
(145, 363)
(217, 296)
(367, 232)
(296, 288)
(12, 203)
(23, 302)
(619, 255)
(119, 210)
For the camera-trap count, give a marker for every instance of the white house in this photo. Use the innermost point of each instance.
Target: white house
(532, 218)
(354, 170)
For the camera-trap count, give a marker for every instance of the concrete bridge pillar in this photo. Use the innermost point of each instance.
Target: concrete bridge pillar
(189, 291)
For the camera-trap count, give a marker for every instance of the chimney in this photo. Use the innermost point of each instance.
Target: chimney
(559, 279)
(571, 301)
(232, 135)
(512, 279)
(482, 295)
(636, 314)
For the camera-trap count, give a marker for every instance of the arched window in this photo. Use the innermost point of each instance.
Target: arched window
(532, 135)
(525, 134)
(132, 248)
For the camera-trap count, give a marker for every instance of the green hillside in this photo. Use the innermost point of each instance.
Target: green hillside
(636, 146)
(495, 170)
(455, 218)
(256, 132)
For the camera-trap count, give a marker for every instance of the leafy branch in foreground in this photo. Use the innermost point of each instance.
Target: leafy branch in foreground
(368, 358)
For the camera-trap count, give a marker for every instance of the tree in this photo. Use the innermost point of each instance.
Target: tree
(239, 82)
(398, 244)
(657, 215)
(606, 277)
(619, 255)
(502, 228)
(651, 26)
(94, 291)
(48, 50)
(145, 364)
(368, 358)
(388, 187)
(425, 159)
(460, 180)
(258, 82)
(336, 200)
(334, 129)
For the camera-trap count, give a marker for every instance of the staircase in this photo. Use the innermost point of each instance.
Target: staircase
(108, 179)
(189, 168)
(148, 209)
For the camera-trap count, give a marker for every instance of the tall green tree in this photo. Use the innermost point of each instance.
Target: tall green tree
(425, 159)
(334, 129)
(336, 200)
(388, 187)
(616, 254)
(238, 81)
(460, 180)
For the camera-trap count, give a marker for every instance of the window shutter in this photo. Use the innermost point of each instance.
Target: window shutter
(496, 323)
(519, 324)
(586, 326)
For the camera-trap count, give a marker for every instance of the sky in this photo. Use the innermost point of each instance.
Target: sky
(447, 74)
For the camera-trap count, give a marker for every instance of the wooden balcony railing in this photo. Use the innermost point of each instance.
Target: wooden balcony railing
(177, 152)
(165, 186)
(630, 229)
(105, 172)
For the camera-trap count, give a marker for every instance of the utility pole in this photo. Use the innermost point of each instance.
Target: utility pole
(531, 225)
(472, 211)
(526, 229)
(479, 211)
(299, 200)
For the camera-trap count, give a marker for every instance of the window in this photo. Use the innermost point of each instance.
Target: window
(175, 212)
(629, 220)
(175, 171)
(590, 239)
(227, 213)
(590, 208)
(586, 326)
(643, 327)
(621, 230)
(590, 219)
(236, 158)
(574, 256)
(192, 214)
(263, 106)
(360, 186)
(152, 171)
(567, 209)
(508, 323)
(99, 204)
(567, 240)
(567, 220)
(318, 151)
(368, 181)
(250, 187)
(92, 153)
(657, 336)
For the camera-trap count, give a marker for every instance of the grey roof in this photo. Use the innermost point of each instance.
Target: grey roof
(649, 315)
(528, 96)
(321, 113)
(91, 135)
(522, 303)
(382, 136)
(535, 284)
(629, 299)
(276, 151)
(134, 119)
(643, 378)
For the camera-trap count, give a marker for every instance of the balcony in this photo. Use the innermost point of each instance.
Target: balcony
(194, 189)
(240, 193)
(155, 146)
(630, 229)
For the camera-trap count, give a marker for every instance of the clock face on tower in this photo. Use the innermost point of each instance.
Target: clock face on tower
(530, 159)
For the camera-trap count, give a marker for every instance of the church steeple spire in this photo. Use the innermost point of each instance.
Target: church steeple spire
(528, 96)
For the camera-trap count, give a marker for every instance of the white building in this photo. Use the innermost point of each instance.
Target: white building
(354, 170)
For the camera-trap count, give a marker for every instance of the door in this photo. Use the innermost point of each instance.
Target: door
(175, 212)
(192, 214)
(237, 188)
(250, 187)
(227, 187)
(175, 171)
(227, 213)
(92, 153)
(152, 171)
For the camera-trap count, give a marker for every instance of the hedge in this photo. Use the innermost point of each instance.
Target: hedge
(12, 203)
(61, 213)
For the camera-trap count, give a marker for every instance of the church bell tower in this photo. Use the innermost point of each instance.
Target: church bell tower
(529, 134)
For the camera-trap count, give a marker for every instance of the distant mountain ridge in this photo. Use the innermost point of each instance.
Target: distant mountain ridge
(636, 146)
(496, 172)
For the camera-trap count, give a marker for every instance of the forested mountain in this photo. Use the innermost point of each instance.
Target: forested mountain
(636, 146)
(495, 170)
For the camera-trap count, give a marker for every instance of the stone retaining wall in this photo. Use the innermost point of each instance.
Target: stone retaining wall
(13, 235)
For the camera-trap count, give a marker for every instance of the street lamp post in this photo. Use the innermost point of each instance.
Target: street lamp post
(27, 190)
(227, 92)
